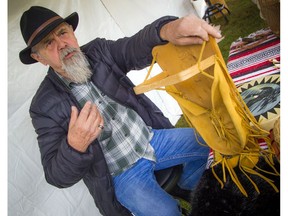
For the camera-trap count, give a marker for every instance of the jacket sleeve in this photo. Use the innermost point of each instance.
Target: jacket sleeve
(135, 52)
(63, 166)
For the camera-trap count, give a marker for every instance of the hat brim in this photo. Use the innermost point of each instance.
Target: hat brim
(25, 54)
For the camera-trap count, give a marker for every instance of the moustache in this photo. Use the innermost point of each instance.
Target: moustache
(64, 52)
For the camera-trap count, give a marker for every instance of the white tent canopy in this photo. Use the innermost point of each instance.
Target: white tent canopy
(28, 192)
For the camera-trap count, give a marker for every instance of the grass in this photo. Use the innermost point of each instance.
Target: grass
(243, 20)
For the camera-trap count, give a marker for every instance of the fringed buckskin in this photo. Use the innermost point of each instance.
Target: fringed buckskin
(197, 78)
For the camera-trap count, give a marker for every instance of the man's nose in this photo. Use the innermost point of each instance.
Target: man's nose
(60, 43)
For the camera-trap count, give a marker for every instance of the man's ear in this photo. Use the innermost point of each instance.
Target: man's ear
(38, 58)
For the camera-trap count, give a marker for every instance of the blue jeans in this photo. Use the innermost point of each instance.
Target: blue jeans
(137, 188)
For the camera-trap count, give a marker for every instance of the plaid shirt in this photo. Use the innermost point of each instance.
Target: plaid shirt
(125, 137)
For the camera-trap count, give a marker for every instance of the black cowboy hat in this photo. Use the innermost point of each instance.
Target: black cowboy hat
(36, 23)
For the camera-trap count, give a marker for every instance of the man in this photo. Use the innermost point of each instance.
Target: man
(92, 126)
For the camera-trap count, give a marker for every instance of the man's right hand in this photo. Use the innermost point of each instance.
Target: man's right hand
(84, 128)
(188, 30)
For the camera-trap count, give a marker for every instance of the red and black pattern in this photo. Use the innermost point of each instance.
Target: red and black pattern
(252, 59)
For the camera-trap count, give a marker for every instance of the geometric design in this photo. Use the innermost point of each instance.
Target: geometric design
(262, 97)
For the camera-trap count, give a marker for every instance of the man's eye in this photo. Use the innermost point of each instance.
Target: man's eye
(49, 43)
(64, 32)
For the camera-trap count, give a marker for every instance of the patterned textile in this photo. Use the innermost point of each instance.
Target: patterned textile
(250, 57)
(262, 96)
(250, 60)
(125, 137)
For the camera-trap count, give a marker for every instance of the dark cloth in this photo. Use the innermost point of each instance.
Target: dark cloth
(51, 107)
(229, 200)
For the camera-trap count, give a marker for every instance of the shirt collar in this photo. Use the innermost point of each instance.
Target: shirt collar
(67, 82)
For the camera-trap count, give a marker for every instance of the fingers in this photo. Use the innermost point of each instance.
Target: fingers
(84, 126)
(95, 120)
(211, 30)
(188, 30)
(190, 40)
(85, 112)
(200, 27)
(90, 113)
(90, 116)
(74, 115)
(101, 124)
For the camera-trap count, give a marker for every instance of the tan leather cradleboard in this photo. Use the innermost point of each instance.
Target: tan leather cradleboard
(197, 78)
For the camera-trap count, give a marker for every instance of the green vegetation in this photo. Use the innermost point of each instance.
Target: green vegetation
(243, 20)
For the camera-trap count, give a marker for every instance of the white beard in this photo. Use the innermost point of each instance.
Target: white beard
(77, 67)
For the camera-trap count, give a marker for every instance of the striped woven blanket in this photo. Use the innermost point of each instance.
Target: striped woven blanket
(252, 57)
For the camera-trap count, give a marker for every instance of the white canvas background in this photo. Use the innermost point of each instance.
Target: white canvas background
(28, 192)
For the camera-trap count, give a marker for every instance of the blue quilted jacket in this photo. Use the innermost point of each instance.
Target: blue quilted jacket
(51, 107)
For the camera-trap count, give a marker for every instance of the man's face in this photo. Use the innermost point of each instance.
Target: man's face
(49, 51)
